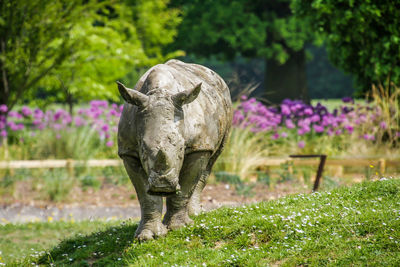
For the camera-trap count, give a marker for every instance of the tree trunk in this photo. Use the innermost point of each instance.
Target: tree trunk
(286, 80)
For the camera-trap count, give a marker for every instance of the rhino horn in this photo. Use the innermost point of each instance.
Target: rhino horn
(186, 96)
(132, 96)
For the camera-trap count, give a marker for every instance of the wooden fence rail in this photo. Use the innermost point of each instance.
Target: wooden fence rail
(294, 160)
(380, 163)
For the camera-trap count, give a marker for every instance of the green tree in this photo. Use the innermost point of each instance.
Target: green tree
(252, 29)
(34, 39)
(76, 49)
(362, 37)
(118, 39)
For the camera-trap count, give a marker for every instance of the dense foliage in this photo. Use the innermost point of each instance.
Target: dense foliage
(75, 50)
(253, 29)
(362, 37)
(34, 39)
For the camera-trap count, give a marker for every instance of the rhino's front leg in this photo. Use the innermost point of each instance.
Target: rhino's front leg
(150, 225)
(177, 205)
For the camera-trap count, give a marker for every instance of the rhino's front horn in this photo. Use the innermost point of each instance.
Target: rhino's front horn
(132, 96)
(186, 96)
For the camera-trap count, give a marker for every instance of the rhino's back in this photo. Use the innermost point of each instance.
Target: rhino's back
(207, 119)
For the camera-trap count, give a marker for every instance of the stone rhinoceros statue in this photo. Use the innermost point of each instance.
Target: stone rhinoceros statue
(171, 131)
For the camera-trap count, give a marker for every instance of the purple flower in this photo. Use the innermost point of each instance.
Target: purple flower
(349, 128)
(113, 112)
(285, 110)
(275, 136)
(237, 117)
(308, 111)
(3, 108)
(14, 114)
(105, 128)
(26, 111)
(79, 121)
(348, 99)
(383, 125)
(303, 130)
(290, 124)
(315, 118)
(109, 143)
(284, 135)
(58, 114)
(99, 103)
(318, 128)
(13, 126)
(301, 144)
(38, 114)
(3, 133)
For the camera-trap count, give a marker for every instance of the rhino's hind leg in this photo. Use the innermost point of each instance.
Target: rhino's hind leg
(150, 225)
(194, 206)
(192, 170)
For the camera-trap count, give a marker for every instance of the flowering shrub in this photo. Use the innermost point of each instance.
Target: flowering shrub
(290, 127)
(362, 121)
(99, 115)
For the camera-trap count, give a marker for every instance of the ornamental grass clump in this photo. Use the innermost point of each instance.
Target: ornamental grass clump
(387, 101)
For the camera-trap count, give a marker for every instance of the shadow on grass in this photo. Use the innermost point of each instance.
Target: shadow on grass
(97, 249)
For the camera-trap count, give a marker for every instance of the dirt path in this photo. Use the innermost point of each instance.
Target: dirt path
(119, 202)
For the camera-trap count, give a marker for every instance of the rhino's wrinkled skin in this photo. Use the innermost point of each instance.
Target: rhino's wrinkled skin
(172, 129)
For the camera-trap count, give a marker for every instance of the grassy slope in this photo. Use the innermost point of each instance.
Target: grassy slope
(20, 240)
(348, 226)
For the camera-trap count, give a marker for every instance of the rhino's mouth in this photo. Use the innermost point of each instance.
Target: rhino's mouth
(161, 194)
(163, 185)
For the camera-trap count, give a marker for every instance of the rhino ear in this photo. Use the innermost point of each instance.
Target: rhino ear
(186, 96)
(132, 96)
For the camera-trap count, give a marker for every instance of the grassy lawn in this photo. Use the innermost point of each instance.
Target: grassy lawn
(20, 240)
(333, 103)
(359, 225)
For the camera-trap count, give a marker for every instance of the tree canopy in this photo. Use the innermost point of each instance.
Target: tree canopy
(362, 37)
(253, 29)
(250, 28)
(76, 49)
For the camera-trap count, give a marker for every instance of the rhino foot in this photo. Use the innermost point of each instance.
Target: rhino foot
(150, 230)
(177, 221)
(194, 207)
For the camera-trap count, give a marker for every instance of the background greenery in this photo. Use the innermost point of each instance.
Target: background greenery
(73, 51)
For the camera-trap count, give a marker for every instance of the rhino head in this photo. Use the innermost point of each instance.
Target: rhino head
(160, 134)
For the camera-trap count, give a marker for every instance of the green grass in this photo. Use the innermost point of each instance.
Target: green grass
(333, 103)
(21, 240)
(356, 226)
